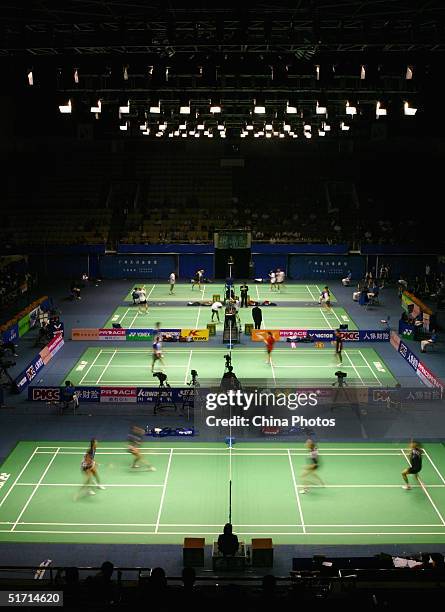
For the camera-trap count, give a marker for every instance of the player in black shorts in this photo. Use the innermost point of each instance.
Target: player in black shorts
(135, 439)
(415, 462)
(338, 346)
(309, 472)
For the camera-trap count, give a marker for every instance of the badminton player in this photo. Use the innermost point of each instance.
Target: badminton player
(269, 342)
(415, 464)
(172, 282)
(92, 451)
(143, 305)
(325, 298)
(338, 346)
(135, 438)
(313, 464)
(157, 352)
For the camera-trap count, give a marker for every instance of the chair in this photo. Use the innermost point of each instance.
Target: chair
(262, 552)
(229, 562)
(193, 552)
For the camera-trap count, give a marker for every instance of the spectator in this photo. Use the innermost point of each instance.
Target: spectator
(228, 544)
(432, 340)
(347, 280)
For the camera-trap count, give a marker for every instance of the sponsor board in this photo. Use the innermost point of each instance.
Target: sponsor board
(148, 396)
(84, 333)
(45, 355)
(118, 394)
(260, 335)
(170, 335)
(194, 335)
(23, 325)
(112, 334)
(11, 334)
(139, 335)
(424, 373)
(34, 317)
(44, 394)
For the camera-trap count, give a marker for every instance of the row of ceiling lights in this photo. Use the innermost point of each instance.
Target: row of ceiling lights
(259, 108)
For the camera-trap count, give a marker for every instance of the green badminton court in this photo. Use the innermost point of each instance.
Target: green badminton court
(362, 501)
(259, 292)
(132, 366)
(197, 317)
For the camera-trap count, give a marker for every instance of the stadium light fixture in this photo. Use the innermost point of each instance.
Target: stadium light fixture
(351, 109)
(96, 109)
(182, 126)
(200, 126)
(268, 135)
(362, 72)
(268, 126)
(125, 110)
(286, 127)
(76, 76)
(380, 110)
(30, 78)
(65, 109)
(184, 108)
(155, 108)
(124, 126)
(281, 135)
(215, 106)
(146, 132)
(125, 73)
(143, 127)
(317, 72)
(321, 132)
(249, 127)
(409, 73)
(291, 108)
(344, 127)
(321, 109)
(220, 126)
(259, 107)
(408, 110)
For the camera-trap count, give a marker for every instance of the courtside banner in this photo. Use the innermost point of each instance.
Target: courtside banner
(85, 334)
(39, 362)
(23, 325)
(139, 335)
(194, 335)
(324, 335)
(424, 373)
(112, 334)
(52, 394)
(118, 394)
(146, 395)
(11, 334)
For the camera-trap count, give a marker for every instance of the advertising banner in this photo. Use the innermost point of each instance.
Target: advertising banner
(83, 333)
(424, 373)
(324, 335)
(23, 325)
(11, 334)
(52, 394)
(139, 335)
(194, 335)
(45, 355)
(34, 317)
(118, 394)
(112, 334)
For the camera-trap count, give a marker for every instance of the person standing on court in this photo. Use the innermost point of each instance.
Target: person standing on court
(338, 346)
(172, 281)
(415, 464)
(244, 290)
(257, 316)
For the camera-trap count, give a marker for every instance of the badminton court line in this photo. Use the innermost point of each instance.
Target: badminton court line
(426, 492)
(297, 495)
(164, 490)
(19, 475)
(93, 362)
(34, 491)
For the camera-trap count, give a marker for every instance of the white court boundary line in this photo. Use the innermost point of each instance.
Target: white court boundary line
(161, 525)
(297, 494)
(161, 503)
(426, 493)
(93, 362)
(34, 491)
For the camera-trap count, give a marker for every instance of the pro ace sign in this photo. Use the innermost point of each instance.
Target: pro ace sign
(118, 395)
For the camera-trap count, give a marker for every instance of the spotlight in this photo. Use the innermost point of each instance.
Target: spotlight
(98, 108)
(125, 110)
(76, 76)
(124, 126)
(380, 110)
(215, 107)
(259, 108)
(125, 73)
(409, 73)
(30, 77)
(320, 109)
(344, 127)
(184, 109)
(362, 72)
(408, 110)
(351, 109)
(65, 108)
(291, 108)
(155, 108)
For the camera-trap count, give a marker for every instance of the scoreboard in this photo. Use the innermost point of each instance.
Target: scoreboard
(232, 239)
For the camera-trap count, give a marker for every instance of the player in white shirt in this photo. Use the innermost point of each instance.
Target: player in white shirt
(216, 306)
(172, 281)
(280, 279)
(273, 280)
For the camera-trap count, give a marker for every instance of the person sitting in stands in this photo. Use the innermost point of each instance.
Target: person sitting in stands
(430, 341)
(347, 280)
(228, 544)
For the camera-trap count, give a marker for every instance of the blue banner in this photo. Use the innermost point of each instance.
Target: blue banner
(326, 267)
(326, 335)
(11, 334)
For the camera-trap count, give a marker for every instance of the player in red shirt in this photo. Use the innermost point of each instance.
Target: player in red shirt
(269, 342)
